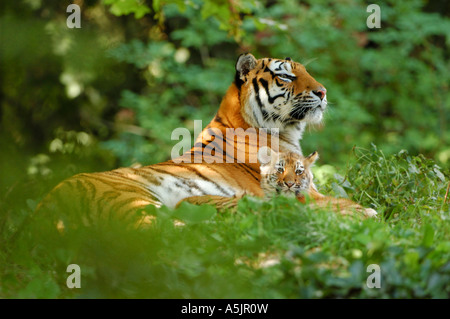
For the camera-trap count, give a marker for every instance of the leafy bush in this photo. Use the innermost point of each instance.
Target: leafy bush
(392, 183)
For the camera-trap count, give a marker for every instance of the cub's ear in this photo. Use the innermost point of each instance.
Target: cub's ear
(265, 155)
(245, 63)
(311, 158)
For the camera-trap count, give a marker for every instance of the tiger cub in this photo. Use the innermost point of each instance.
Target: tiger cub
(290, 174)
(286, 173)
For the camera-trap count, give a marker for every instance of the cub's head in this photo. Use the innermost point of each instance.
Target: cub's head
(285, 173)
(278, 93)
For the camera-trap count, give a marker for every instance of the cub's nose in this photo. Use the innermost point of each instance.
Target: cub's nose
(320, 93)
(289, 184)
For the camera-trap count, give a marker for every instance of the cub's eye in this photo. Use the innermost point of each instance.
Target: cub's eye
(299, 171)
(280, 170)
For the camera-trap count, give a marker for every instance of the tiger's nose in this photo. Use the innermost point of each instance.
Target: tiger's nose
(320, 93)
(289, 184)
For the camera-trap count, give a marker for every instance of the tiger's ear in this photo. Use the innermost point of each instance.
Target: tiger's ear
(311, 158)
(245, 63)
(266, 155)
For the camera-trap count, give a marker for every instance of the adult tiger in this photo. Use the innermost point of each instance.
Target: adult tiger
(267, 93)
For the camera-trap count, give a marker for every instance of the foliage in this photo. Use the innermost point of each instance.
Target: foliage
(262, 249)
(391, 184)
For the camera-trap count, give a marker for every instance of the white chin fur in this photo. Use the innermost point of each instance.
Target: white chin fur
(314, 117)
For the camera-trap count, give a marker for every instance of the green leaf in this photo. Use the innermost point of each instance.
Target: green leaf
(413, 169)
(428, 235)
(339, 190)
(31, 204)
(124, 7)
(190, 213)
(439, 174)
(362, 238)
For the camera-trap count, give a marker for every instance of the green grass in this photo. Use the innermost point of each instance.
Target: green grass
(273, 249)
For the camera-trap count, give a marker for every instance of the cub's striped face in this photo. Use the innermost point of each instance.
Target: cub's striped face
(286, 173)
(278, 93)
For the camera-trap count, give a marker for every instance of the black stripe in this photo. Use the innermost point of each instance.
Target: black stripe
(238, 81)
(249, 170)
(266, 69)
(265, 114)
(92, 188)
(279, 66)
(194, 170)
(108, 197)
(191, 169)
(256, 88)
(255, 117)
(218, 119)
(224, 177)
(192, 184)
(265, 84)
(86, 201)
(288, 141)
(197, 152)
(217, 148)
(279, 84)
(120, 182)
(163, 171)
(233, 145)
(290, 122)
(298, 113)
(119, 205)
(187, 188)
(275, 116)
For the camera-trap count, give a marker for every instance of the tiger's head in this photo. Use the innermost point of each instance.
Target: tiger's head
(285, 173)
(278, 93)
